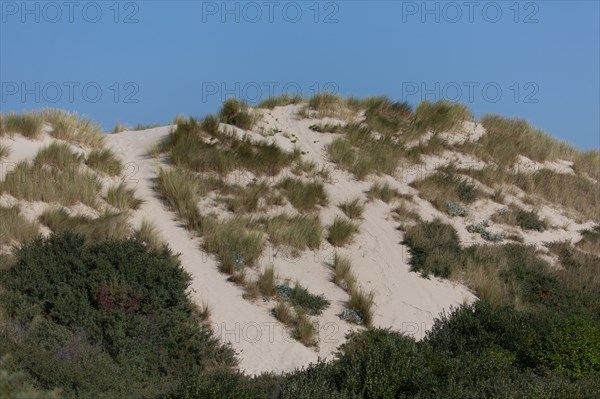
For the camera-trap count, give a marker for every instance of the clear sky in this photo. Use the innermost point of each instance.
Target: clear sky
(146, 61)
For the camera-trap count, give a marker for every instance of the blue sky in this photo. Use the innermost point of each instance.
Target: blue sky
(146, 61)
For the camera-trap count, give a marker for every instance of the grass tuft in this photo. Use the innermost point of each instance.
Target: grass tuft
(382, 192)
(28, 124)
(441, 116)
(149, 234)
(352, 208)
(297, 232)
(58, 155)
(4, 151)
(341, 231)
(342, 272)
(105, 161)
(304, 196)
(237, 114)
(123, 198)
(179, 189)
(107, 226)
(71, 127)
(279, 101)
(362, 302)
(15, 227)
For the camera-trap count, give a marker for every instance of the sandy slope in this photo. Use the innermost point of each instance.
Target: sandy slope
(403, 300)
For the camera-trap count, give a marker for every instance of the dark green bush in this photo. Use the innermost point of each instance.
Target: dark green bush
(313, 304)
(111, 318)
(529, 221)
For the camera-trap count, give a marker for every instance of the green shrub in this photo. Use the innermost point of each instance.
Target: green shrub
(236, 113)
(341, 231)
(312, 304)
(572, 348)
(101, 311)
(529, 221)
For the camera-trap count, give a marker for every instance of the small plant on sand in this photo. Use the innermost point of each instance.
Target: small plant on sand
(342, 272)
(149, 234)
(35, 183)
(304, 330)
(352, 208)
(105, 161)
(279, 101)
(297, 232)
(266, 281)
(304, 196)
(179, 189)
(71, 127)
(284, 313)
(4, 151)
(15, 227)
(341, 231)
(441, 116)
(529, 221)
(28, 124)
(108, 225)
(310, 303)
(58, 155)
(123, 198)
(382, 192)
(237, 113)
(360, 306)
(210, 124)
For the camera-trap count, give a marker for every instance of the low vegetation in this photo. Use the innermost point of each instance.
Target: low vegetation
(179, 189)
(4, 151)
(444, 187)
(15, 227)
(441, 116)
(342, 272)
(304, 196)
(297, 233)
(74, 128)
(123, 198)
(352, 208)
(237, 113)
(304, 301)
(105, 161)
(341, 232)
(149, 234)
(108, 225)
(361, 303)
(383, 192)
(58, 155)
(280, 101)
(34, 183)
(28, 124)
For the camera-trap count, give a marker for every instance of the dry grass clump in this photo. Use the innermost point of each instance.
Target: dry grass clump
(361, 301)
(284, 313)
(34, 183)
(587, 163)
(123, 198)
(328, 105)
(296, 232)
(362, 152)
(71, 127)
(387, 117)
(341, 231)
(28, 124)
(108, 225)
(4, 151)
(591, 240)
(105, 161)
(247, 199)
(342, 272)
(304, 330)
(352, 208)
(190, 147)
(149, 234)
(279, 101)
(237, 113)
(507, 138)
(58, 155)
(443, 187)
(179, 188)
(15, 227)
(234, 241)
(266, 281)
(211, 124)
(382, 192)
(304, 196)
(404, 213)
(441, 116)
(326, 128)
